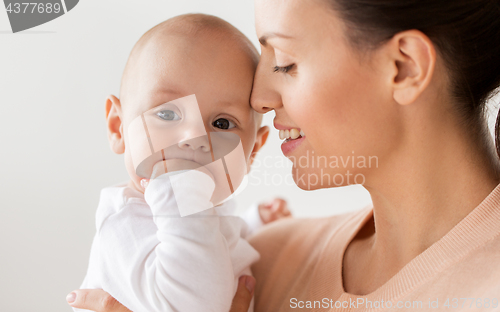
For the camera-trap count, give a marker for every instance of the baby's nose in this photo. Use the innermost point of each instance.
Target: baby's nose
(200, 142)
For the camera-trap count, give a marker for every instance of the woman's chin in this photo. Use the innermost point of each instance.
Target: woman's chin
(313, 179)
(306, 187)
(307, 180)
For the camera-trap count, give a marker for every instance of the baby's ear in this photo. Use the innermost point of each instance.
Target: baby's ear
(114, 124)
(260, 140)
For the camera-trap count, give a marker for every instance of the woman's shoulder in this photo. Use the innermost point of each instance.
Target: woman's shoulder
(298, 239)
(289, 251)
(290, 229)
(286, 230)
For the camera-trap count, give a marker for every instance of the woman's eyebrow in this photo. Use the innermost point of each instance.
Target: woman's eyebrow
(263, 39)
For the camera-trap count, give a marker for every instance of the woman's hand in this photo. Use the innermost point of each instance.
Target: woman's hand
(100, 301)
(244, 294)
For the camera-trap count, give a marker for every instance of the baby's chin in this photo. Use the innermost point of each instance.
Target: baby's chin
(179, 164)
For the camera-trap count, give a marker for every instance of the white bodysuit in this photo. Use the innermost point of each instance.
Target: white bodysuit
(151, 259)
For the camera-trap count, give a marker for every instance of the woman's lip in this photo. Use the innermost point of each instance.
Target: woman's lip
(282, 127)
(289, 145)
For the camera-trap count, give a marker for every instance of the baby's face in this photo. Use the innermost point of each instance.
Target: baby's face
(178, 91)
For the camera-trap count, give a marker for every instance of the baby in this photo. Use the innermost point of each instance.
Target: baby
(168, 240)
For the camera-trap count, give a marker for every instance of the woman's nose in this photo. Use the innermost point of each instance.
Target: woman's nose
(265, 96)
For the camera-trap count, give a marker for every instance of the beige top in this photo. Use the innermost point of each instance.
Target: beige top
(301, 266)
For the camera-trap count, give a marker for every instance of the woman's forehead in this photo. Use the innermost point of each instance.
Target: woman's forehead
(291, 18)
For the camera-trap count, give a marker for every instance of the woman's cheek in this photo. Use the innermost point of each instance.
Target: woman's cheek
(305, 108)
(295, 95)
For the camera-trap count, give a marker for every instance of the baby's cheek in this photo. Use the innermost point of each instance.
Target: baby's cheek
(222, 188)
(134, 179)
(137, 143)
(145, 146)
(229, 167)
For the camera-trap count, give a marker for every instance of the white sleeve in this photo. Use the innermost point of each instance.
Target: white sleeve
(186, 266)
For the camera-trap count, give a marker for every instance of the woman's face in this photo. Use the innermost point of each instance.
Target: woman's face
(315, 82)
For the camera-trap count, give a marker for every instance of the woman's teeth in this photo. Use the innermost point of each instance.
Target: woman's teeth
(290, 134)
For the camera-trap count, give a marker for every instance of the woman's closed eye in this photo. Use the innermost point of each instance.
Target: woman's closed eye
(168, 115)
(223, 123)
(283, 69)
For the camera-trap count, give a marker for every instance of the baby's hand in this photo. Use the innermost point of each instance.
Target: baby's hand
(171, 165)
(274, 210)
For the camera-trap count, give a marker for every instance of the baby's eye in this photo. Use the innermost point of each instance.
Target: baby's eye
(223, 123)
(168, 115)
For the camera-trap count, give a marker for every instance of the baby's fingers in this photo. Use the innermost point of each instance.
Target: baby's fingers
(96, 300)
(274, 210)
(280, 207)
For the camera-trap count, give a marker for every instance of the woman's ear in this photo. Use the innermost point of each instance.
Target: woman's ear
(114, 122)
(414, 58)
(260, 140)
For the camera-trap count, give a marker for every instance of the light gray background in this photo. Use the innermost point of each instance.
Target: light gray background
(55, 156)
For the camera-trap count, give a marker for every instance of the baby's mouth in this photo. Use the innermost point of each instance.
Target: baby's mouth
(181, 159)
(291, 134)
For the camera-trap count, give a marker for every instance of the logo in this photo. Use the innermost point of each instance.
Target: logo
(26, 15)
(172, 138)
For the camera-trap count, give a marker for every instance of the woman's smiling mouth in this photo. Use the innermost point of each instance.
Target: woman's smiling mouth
(291, 134)
(292, 137)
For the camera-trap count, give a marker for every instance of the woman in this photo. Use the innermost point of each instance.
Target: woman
(405, 83)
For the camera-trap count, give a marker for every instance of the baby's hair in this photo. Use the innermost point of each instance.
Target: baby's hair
(192, 26)
(466, 34)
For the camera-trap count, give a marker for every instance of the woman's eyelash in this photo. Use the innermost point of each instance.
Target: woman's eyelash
(284, 69)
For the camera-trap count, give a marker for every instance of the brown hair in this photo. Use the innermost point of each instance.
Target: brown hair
(466, 34)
